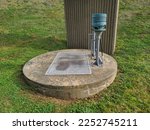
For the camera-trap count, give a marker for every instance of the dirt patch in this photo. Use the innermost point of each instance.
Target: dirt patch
(3, 59)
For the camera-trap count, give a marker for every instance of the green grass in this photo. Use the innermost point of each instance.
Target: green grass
(27, 31)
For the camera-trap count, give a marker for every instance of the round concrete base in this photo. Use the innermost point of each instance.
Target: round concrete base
(69, 86)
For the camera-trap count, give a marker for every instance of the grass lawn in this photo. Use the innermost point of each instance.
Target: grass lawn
(29, 29)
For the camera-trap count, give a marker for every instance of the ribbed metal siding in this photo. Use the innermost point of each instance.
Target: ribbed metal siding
(78, 15)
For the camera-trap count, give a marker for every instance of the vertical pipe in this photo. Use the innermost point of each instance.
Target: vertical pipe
(97, 50)
(94, 40)
(97, 46)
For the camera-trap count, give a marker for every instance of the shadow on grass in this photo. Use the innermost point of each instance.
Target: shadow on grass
(35, 42)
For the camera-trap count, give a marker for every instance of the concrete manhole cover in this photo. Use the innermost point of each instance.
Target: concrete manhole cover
(69, 86)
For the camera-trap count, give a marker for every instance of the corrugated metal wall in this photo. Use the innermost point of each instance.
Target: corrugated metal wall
(78, 15)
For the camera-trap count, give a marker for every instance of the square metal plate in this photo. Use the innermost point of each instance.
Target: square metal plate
(70, 63)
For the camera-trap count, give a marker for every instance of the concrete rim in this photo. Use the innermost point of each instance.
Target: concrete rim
(68, 86)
